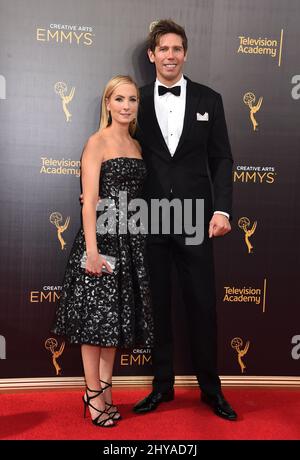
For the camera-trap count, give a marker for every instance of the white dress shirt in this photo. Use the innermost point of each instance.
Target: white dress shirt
(170, 110)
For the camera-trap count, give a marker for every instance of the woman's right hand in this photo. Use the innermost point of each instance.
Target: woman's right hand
(95, 263)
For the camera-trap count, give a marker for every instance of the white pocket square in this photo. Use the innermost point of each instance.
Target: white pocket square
(203, 117)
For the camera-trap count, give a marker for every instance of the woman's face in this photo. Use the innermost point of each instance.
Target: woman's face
(123, 103)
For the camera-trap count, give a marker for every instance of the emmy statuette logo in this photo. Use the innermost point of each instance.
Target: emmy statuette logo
(56, 219)
(51, 344)
(153, 24)
(249, 99)
(244, 224)
(237, 344)
(61, 88)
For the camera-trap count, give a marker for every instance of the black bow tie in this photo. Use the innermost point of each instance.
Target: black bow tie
(174, 90)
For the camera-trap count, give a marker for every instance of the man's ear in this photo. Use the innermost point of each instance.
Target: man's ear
(185, 56)
(151, 56)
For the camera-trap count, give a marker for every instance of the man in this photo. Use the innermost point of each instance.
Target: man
(183, 134)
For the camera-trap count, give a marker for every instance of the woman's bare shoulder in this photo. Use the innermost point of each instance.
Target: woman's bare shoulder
(95, 146)
(97, 140)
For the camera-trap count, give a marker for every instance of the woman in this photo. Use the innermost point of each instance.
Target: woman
(103, 308)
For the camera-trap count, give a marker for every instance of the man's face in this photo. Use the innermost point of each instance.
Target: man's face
(168, 57)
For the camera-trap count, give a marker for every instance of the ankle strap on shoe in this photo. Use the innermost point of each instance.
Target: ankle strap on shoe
(98, 392)
(108, 385)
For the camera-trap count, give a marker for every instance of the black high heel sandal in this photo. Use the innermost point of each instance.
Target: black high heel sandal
(86, 404)
(114, 414)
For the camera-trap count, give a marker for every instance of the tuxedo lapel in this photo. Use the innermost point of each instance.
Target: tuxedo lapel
(192, 97)
(151, 123)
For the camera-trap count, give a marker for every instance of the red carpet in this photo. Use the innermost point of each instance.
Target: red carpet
(264, 414)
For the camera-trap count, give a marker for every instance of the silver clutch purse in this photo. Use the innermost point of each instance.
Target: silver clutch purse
(109, 259)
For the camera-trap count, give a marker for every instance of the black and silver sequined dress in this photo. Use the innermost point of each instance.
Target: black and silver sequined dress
(113, 310)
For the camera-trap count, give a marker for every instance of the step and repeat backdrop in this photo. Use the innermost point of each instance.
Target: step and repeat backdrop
(55, 58)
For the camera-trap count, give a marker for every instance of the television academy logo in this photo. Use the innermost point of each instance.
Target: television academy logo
(2, 87)
(60, 166)
(246, 294)
(261, 46)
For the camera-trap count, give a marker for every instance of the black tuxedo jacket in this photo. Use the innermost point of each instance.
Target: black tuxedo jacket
(202, 164)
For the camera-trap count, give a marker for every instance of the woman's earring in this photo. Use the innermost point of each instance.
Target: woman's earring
(109, 120)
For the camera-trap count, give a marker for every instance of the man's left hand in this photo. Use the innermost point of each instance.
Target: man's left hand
(219, 225)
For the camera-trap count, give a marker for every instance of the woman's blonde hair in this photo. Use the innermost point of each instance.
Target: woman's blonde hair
(105, 119)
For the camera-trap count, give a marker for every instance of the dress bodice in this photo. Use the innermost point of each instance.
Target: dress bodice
(124, 174)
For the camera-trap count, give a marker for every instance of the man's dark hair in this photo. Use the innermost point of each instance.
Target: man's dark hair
(163, 27)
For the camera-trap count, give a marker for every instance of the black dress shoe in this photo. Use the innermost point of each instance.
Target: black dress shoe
(220, 406)
(152, 401)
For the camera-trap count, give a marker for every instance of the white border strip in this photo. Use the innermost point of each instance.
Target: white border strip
(142, 381)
